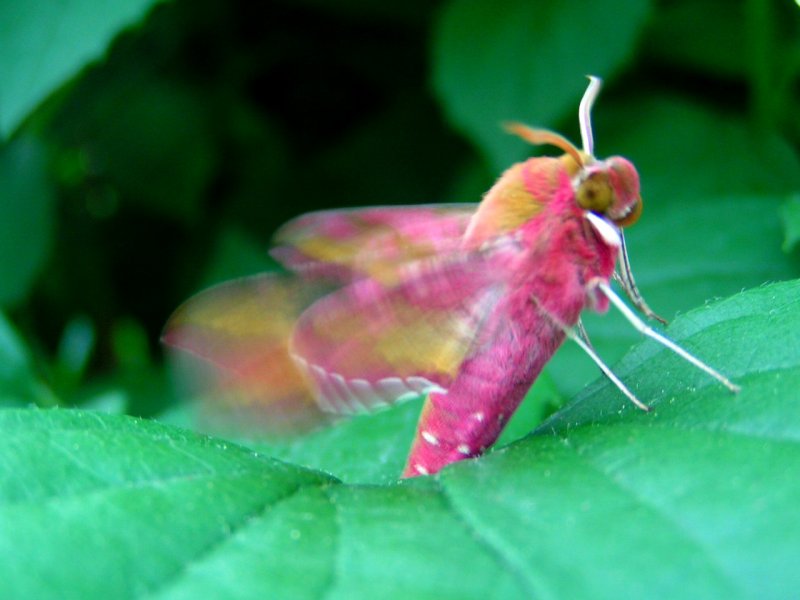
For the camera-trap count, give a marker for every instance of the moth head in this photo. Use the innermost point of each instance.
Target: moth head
(610, 187)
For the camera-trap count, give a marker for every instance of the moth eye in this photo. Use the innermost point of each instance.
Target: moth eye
(594, 193)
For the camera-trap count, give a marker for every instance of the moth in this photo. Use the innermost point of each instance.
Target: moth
(464, 304)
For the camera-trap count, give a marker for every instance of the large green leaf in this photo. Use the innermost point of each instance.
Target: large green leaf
(101, 507)
(42, 44)
(697, 499)
(526, 61)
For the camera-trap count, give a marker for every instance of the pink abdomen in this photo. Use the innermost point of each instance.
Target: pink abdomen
(468, 418)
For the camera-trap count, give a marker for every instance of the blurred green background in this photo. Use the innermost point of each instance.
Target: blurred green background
(150, 149)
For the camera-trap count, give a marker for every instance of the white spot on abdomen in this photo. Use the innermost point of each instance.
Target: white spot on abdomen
(430, 438)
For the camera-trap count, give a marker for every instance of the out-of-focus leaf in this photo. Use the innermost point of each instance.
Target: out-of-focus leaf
(703, 35)
(148, 140)
(236, 254)
(382, 12)
(686, 150)
(19, 384)
(697, 499)
(790, 215)
(74, 352)
(26, 217)
(43, 44)
(130, 344)
(393, 166)
(526, 61)
(143, 391)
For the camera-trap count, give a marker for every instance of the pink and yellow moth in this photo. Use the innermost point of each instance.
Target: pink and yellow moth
(462, 303)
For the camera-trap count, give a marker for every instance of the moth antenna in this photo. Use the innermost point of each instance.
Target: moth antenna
(645, 329)
(539, 137)
(585, 113)
(625, 278)
(586, 347)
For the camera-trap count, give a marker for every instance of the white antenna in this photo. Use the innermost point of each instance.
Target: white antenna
(585, 113)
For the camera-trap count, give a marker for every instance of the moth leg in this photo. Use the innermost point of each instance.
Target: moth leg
(645, 329)
(625, 278)
(586, 347)
(579, 336)
(581, 331)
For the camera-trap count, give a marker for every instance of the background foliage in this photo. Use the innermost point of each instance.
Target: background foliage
(150, 148)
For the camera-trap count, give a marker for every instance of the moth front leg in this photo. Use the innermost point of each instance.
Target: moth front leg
(595, 299)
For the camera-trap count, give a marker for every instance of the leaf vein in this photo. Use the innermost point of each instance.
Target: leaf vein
(491, 547)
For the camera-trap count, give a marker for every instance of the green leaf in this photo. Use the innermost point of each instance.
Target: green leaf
(43, 44)
(526, 62)
(790, 215)
(102, 507)
(26, 217)
(384, 438)
(696, 499)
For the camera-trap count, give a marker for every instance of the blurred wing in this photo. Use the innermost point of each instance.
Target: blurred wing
(234, 342)
(367, 345)
(283, 354)
(370, 242)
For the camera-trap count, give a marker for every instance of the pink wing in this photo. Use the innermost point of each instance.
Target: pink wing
(368, 345)
(282, 353)
(233, 342)
(370, 242)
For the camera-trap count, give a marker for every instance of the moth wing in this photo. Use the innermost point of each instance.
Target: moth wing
(349, 244)
(282, 354)
(232, 342)
(368, 345)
